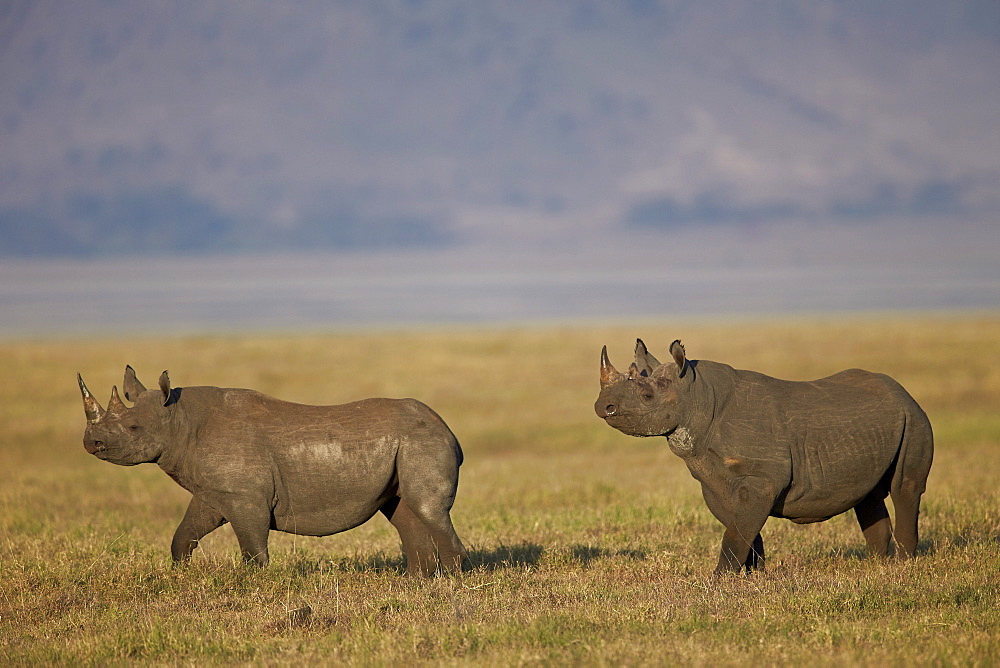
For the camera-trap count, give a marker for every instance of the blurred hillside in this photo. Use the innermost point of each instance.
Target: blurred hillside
(255, 126)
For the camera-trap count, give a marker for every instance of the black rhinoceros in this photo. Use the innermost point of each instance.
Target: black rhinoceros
(761, 447)
(260, 463)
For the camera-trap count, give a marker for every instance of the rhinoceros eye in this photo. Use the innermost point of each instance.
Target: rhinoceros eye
(647, 395)
(134, 428)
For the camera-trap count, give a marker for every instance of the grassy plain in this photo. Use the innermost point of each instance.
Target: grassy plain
(589, 547)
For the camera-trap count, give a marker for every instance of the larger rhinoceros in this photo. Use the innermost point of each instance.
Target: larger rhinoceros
(761, 447)
(260, 463)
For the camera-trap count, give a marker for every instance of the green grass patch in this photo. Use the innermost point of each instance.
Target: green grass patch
(588, 547)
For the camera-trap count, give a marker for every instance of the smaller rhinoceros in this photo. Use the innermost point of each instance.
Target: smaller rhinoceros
(761, 447)
(260, 463)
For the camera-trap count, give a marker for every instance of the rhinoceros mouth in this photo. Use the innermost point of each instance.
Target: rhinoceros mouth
(623, 424)
(614, 419)
(632, 427)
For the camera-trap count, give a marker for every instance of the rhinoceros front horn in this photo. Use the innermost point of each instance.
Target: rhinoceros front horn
(609, 374)
(92, 409)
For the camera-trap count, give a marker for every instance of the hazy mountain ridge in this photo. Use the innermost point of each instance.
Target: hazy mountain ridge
(259, 126)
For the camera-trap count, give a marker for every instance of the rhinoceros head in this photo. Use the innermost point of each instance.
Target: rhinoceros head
(123, 435)
(649, 400)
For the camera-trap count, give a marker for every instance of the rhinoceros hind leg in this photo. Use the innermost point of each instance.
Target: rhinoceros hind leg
(428, 536)
(199, 521)
(451, 554)
(875, 523)
(910, 481)
(428, 481)
(907, 504)
(421, 557)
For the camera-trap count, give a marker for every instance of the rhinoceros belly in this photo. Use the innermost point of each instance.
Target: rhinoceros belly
(836, 462)
(330, 486)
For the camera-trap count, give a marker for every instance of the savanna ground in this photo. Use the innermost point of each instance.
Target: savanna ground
(588, 546)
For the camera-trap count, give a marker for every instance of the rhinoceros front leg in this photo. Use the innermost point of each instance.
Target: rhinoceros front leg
(742, 545)
(199, 521)
(252, 523)
(725, 514)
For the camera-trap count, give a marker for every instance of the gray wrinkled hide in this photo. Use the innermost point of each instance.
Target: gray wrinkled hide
(761, 447)
(260, 464)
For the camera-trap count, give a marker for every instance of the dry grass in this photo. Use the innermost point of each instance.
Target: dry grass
(589, 546)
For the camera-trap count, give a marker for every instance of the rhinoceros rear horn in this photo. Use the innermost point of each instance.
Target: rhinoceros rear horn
(609, 374)
(91, 408)
(165, 387)
(115, 405)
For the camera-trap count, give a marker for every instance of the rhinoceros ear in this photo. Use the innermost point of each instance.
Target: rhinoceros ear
(131, 385)
(643, 359)
(165, 387)
(677, 352)
(609, 374)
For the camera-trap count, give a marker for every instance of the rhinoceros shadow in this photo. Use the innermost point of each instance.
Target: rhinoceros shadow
(505, 556)
(957, 540)
(498, 558)
(585, 554)
(308, 565)
(860, 552)
(529, 554)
